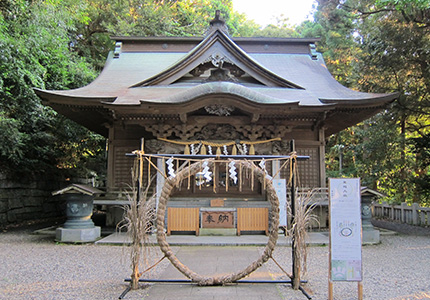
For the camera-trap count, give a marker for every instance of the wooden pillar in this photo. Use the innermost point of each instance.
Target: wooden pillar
(110, 162)
(276, 165)
(295, 261)
(321, 139)
(160, 178)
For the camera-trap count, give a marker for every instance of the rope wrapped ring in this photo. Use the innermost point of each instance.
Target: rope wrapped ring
(192, 169)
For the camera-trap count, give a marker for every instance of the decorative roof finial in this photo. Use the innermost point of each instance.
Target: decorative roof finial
(218, 23)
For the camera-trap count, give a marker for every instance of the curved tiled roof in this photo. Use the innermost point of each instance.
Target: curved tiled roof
(139, 75)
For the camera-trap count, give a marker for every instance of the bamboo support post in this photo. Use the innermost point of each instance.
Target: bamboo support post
(295, 262)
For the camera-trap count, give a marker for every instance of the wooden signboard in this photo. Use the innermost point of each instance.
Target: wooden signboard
(217, 202)
(218, 219)
(345, 232)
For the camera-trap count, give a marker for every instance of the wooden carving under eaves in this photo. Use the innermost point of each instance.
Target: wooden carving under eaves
(218, 132)
(221, 69)
(166, 130)
(225, 60)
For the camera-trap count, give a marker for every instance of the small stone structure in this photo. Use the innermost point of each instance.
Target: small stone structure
(79, 228)
(370, 234)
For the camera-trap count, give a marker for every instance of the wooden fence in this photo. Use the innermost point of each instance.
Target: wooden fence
(182, 219)
(409, 214)
(252, 219)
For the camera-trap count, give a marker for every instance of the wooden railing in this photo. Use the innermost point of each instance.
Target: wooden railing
(183, 219)
(252, 219)
(404, 213)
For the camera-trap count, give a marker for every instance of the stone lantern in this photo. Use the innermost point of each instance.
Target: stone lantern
(79, 228)
(370, 234)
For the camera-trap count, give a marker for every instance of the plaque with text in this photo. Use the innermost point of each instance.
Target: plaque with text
(218, 219)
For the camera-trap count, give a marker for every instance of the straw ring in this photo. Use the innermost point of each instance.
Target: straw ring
(229, 278)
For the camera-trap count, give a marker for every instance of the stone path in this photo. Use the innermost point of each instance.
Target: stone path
(216, 261)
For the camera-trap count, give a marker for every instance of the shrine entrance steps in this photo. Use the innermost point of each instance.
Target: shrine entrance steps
(218, 231)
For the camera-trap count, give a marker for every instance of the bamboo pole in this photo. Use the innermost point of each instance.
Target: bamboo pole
(360, 290)
(295, 262)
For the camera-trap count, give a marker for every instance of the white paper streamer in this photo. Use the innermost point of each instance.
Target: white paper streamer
(232, 172)
(170, 169)
(195, 150)
(262, 165)
(199, 179)
(206, 173)
(210, 150)
(242, 149)
(225, 150)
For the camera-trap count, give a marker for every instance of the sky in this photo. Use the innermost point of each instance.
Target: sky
(265, 12)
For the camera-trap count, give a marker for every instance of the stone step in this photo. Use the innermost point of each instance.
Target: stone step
(217, 231)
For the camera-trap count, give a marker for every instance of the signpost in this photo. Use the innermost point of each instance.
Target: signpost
(280, 186)
(345, 263)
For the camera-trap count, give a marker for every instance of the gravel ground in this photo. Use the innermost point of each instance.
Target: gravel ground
(396, 269)
(34, 267)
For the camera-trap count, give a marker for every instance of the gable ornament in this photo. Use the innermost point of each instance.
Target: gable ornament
(219, 109)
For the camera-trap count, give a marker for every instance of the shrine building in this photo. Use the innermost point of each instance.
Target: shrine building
(215, 94)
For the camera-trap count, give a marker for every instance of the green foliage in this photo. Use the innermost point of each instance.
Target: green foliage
(57, 45)
(308, 29)
(404, 4)
(421, 148)
(336, 29)
(370, 45)
(388, 45)
(281, 29)
(34, 39)
(105, 18)
(13, 141)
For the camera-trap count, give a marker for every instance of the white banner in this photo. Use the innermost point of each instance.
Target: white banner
(345, 229)
(280, 186)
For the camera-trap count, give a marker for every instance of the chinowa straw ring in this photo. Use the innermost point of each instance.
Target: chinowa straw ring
(192, 169)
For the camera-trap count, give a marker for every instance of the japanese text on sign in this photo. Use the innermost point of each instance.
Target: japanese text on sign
(345, 229)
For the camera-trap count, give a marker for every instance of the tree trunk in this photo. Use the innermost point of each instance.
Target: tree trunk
(403, 156)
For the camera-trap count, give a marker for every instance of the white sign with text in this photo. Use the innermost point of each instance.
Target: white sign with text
(345, 229)
(280, 186)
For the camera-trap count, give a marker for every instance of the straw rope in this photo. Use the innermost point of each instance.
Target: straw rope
(138, 152)
(192, 169)
(212, 144)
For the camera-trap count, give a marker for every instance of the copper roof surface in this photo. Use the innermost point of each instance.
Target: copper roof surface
(147, 74)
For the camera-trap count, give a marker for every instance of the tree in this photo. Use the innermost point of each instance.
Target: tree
(421, 148)
(391, 53)
(105, 18)
(62, 44)
(34, 49)
(282, 28)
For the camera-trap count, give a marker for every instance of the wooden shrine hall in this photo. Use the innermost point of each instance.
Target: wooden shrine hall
(215, 94)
